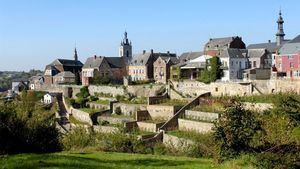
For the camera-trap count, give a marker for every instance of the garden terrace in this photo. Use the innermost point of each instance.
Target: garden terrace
(172, 102)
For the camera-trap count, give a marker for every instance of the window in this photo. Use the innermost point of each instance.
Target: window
(297, 73)
(290, 56)
(254, 63)
(279, 65)
(291, 65)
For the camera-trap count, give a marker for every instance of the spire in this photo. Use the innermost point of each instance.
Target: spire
(125, 40)
(75, 54)
(280, 33)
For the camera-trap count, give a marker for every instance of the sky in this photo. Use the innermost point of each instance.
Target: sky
(33, 33)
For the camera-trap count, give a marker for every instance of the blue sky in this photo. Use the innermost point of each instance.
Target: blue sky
(35, 32)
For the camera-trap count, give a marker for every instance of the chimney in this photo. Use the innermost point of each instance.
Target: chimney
(144, 51)
(152, 51)
(95, 56)
(269, 41)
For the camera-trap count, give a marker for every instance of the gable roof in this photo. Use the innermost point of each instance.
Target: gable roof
(295, 40)
(66, 62)
(270, 46)
(189, 56)
(115, 62)
(173, 60)
(143, 59)
(256, 53)
(65, 74)
(93, 62)
(290, 48)
(220, 42)
(233, 53)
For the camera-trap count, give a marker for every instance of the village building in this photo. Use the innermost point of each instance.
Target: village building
(288, 60)
(215, 45)
(65, 77)
(141, 67)
(35, 82)
(162, 67)
(273, 47)
(113, 68)
(234, 61)
(62, 65)
(19, 85)
(49, 98)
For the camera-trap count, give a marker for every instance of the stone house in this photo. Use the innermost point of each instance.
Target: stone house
(64, 78)
(162, 67)
(287, 61)
(35, 82)
(19, 85)
(112, 67)
(62, 65)
(49, 98)
(234, 61)
(214, 46)
(141, 67)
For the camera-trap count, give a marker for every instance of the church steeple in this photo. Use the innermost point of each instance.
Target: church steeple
(75, 55)
(280, 33)
(125, 50)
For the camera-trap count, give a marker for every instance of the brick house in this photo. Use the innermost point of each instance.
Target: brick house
(162, 67)
(287, 60)
(214, 46)
(141, 67)
(62, 65)
(112, 67)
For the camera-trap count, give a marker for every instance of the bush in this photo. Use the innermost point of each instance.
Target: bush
(118, 111)
(234, 130)
(93, 98)
(79, 138)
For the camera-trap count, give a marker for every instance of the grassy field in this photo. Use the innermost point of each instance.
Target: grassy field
(104, 160)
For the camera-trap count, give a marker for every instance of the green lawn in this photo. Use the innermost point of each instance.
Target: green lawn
(103, 160)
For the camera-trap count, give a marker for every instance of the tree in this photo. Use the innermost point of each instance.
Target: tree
(212, 71)
(234, 130)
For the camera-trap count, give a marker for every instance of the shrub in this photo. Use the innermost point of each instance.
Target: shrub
(234, 130)
(78, 138)
(118, 111)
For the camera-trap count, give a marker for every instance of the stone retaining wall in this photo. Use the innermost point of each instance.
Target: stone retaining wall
(157, 99)
(142, 115)
(176, 142)
(113, 90)
(114, 120)
(129, 109)
(260, 107)
(81, 116)
(160, 111)
(198, 115)
(130, 126)
(98, 106)
(189, 125)
(106, 129)
(151, 127)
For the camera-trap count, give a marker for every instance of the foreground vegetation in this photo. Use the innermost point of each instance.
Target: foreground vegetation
(106, 160)
(240, 138)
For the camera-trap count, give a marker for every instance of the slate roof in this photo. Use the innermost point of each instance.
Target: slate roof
(65, 74)
(219, 42)
(174, 60)
(270, 46)
(256, 53)
(230, 52)
(113, 62)
(290, 48)
(143, 59)
(66, 62)
(295, 40)
(93, 62)
(189, 56)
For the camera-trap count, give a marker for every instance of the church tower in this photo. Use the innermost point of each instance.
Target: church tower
(75, 55)
(280, 34)
(125, 50)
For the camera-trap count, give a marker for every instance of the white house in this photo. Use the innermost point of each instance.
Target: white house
(234, 61)
(49, 98)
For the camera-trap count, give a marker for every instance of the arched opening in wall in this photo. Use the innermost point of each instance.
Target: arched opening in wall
(127, 53)
(273, 90)
(70, 92)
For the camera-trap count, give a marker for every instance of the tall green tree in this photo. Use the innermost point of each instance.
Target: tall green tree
(212, 71)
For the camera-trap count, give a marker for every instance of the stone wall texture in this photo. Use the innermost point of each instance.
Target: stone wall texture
(159, 111)
(260, 107)
(106, 129)
(151, 127)
(198, 115)
(113, 90)
(81, 116)
(200, 127)
(98, 106)
(176, 142)
(129, 109)
(114, 120)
